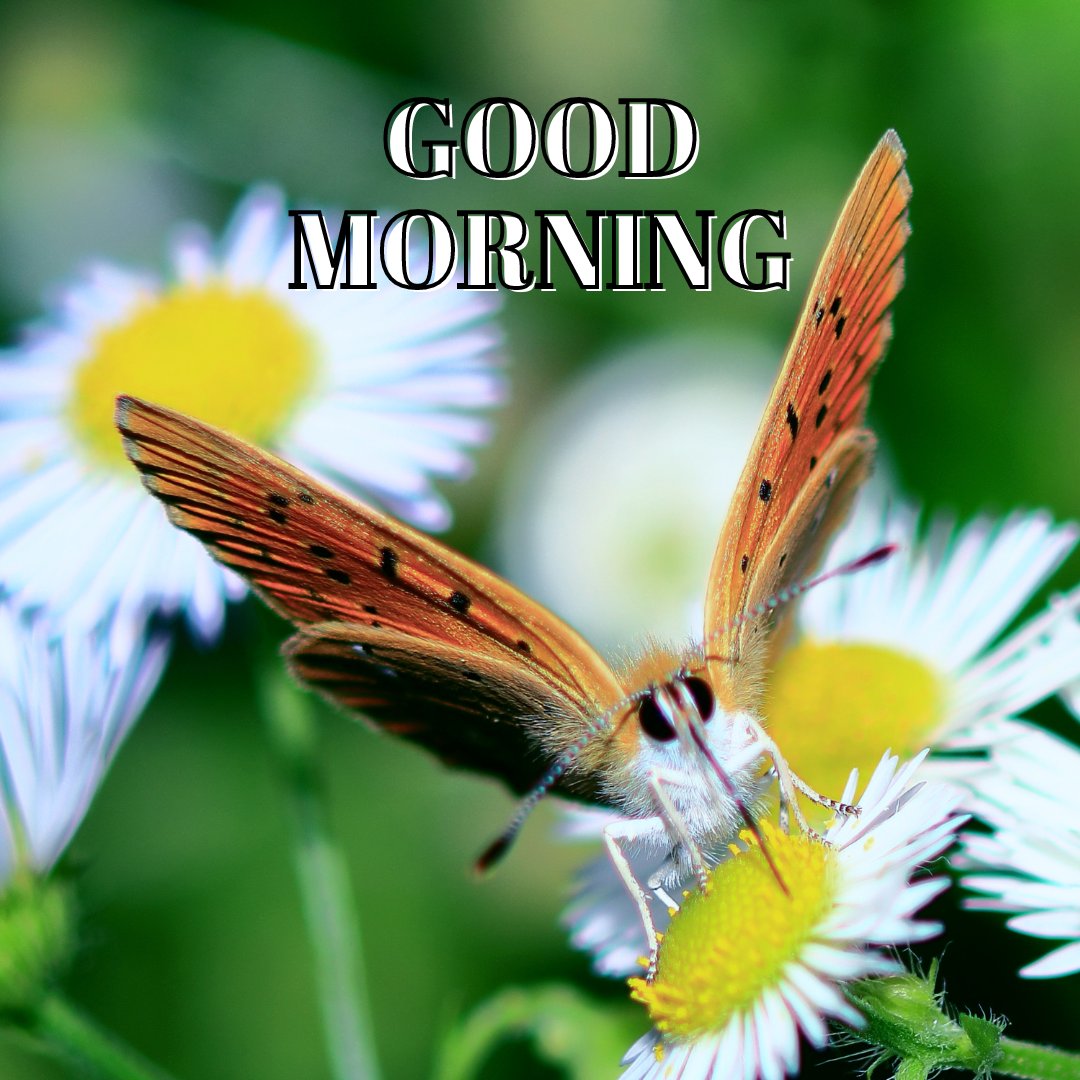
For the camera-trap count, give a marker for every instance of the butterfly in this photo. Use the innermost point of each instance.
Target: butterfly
(430, 646)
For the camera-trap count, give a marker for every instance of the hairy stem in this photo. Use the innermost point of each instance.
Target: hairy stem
(1033, 1062)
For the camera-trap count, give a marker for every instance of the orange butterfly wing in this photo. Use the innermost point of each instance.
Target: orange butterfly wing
(471, 709)
(324, 560)
(810, 452)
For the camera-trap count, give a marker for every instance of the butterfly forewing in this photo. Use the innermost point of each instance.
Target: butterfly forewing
(317, 556)
(818, 401)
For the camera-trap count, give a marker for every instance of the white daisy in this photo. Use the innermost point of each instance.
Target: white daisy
(66, 702)
(910, 653)
(894, 654)
(1029, 863)
(371, 390)
(747, 965)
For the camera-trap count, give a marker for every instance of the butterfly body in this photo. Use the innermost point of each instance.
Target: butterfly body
(438, 650)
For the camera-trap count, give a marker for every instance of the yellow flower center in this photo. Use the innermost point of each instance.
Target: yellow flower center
(235, 358)
(832, 707)
(729, 944)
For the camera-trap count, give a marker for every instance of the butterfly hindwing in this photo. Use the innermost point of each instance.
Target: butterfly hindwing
(471, 710)
(817, 405)
(815, 516)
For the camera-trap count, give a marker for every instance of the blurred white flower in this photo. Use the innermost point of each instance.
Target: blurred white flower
(67, 699)
(1029, 863)
(911, 653)
(614, 501)
(371, 390)
(747, 965)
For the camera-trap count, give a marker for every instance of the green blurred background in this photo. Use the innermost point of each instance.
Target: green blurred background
(116, 120)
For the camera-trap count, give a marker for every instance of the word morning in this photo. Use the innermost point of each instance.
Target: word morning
(578, 139)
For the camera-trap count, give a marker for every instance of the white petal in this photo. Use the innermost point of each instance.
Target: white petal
(1063, 961)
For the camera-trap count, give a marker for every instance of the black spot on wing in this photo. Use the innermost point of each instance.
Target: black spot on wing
(765, 491)
(840, 325)
(278, 500)
(792, 420)
(279, 516)
(460, 602)
(825, 380)
(818, 420)
(835, 306)
(338, 575)
(388, 562)
(304, 497)
(744, 563)
(320, 552)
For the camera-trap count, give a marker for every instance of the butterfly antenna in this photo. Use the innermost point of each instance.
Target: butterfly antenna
(793, 592)
(494, 852)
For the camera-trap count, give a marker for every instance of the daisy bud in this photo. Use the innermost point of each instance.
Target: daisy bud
(36, 938)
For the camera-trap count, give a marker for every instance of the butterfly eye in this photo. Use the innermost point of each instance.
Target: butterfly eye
(653, 722)
(701, 692)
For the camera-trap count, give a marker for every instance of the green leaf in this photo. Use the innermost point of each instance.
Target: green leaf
(910, 1069)
(568, 1030)
(984, 1037)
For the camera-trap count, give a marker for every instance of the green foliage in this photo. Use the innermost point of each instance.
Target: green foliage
(567, 1029)
(36, 939)
(906, 1020)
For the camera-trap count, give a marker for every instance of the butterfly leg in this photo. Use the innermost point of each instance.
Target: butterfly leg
(791, 785)
(783, 814)
(676, 823)
(823, 800)
(634, 829)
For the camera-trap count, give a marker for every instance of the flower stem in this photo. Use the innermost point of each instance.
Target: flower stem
(330, 912)
(1033, 1062)
(73, 1037)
